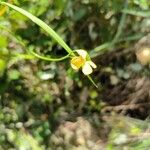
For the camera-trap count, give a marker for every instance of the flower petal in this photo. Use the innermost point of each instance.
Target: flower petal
(92, 64)
(73, 66)
(87, 69)
(77, 62)
(82, 53)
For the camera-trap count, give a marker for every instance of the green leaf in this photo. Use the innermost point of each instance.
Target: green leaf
(42, 24)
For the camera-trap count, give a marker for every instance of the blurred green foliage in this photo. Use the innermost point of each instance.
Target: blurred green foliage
(35, 95)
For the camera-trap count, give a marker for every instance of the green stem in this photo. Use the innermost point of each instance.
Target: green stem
(47, 58)
(13, 35)
(92, 81)
(121, 24)
(106, 46)
(23, 56)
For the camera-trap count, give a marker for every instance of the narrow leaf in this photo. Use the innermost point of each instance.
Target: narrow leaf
(42, 24)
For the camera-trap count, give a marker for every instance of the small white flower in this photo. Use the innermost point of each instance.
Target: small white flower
(83, 61)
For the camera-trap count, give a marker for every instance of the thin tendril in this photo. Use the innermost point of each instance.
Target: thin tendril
(47, 58)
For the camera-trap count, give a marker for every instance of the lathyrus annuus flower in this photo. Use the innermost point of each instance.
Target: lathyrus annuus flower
(83, 61)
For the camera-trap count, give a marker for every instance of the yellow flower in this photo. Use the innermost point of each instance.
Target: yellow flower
(83, 61)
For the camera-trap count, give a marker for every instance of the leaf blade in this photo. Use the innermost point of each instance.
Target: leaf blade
(42, 24)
